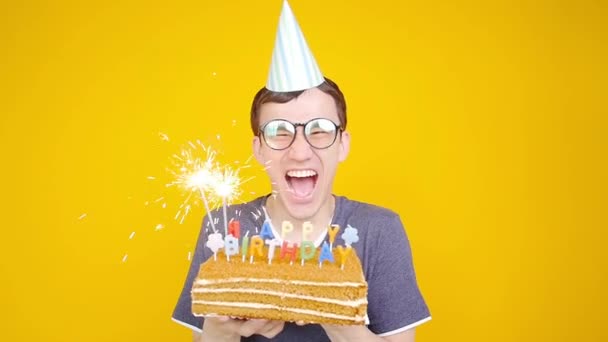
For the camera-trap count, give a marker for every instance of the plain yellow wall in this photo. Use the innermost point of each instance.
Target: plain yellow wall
(480, 122)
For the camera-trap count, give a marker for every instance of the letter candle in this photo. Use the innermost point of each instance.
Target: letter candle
(272, 244)
(343, 254)
(234, 228)
(214, 243)
(256, 246)
(286, 228)
(231, 246)
(245, 246)
(306, 230)
(266, 232)
(307, 251)
(292, 251)
(325, 254)
(350, 235)
(332, 230)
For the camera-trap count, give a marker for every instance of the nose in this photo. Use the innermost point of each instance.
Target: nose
(300, 149)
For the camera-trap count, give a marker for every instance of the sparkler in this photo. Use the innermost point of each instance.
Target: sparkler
(227, 188)
(197, 172)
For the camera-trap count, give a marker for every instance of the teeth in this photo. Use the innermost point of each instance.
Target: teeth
(301, 173)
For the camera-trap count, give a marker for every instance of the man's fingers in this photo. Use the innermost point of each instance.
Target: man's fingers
(247, 327)
(252, 326)
(272, 329)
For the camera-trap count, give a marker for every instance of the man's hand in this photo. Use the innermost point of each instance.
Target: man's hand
(339, 333)
(230, 329)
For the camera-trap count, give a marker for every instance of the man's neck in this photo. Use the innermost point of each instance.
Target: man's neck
(320, 220)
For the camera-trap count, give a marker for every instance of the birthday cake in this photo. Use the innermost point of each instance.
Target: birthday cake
(308, 284)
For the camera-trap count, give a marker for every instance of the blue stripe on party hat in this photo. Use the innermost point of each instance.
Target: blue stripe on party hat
(293, 66)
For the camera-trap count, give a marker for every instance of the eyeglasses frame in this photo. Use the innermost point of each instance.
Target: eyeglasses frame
(339, 130)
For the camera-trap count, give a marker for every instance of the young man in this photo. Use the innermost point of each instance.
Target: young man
(301, 137)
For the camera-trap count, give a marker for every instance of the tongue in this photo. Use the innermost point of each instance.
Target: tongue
(302, 186)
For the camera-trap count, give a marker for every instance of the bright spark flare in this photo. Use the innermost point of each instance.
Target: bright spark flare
(228, 184)
(163, 136)
(203, 179)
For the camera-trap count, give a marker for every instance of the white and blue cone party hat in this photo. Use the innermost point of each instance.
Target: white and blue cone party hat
(293, 66)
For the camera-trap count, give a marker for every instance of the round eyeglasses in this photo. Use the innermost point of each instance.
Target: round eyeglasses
(319, 133)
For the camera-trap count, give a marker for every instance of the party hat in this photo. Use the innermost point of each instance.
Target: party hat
(293, 66)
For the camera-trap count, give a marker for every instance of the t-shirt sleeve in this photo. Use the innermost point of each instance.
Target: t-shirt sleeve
(182, 313)
(395, 303)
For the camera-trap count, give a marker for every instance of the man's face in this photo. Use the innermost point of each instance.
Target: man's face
(301, 175)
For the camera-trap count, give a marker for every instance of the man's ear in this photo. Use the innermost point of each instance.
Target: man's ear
(256, 144)
(344, 146)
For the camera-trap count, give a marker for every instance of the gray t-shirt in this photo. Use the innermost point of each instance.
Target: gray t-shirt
(394, 300)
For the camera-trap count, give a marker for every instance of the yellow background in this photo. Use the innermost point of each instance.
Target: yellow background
(480, 122)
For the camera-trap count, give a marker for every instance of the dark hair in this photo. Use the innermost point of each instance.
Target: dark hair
(265, 96)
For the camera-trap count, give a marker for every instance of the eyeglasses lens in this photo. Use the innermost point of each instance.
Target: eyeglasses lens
(320, 133)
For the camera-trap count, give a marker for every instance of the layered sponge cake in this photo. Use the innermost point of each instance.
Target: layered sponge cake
(282, 289)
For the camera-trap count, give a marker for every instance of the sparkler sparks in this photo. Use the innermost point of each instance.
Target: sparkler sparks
(202, 178)
(163, 136)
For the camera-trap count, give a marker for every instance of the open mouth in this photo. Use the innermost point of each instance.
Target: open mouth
(301, 182)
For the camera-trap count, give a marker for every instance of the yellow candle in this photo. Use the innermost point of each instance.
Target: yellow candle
(343, 254)
(333, 231)
(256, 245)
